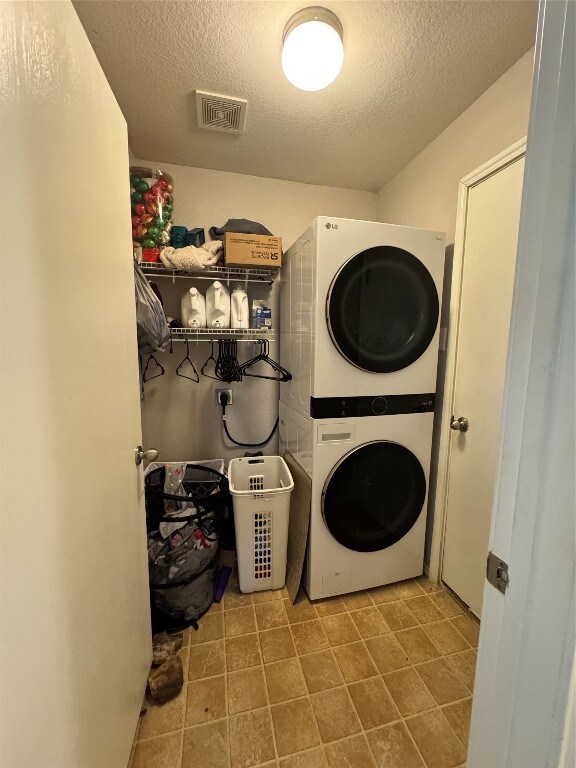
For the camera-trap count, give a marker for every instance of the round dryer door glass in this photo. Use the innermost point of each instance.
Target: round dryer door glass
(373, 496)
(382, 309)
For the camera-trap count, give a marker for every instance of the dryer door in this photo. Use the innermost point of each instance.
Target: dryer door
(382, 309)
(373, 496)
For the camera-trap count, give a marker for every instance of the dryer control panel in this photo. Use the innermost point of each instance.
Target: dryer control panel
(378, 405)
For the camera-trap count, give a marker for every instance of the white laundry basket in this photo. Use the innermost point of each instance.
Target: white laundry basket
(261, 489)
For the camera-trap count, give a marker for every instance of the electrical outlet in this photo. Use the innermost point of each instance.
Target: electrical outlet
(224, 392)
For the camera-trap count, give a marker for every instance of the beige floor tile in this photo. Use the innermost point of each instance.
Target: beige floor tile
(209, 628)
(215, 608)
(393, 748)
(185, 636)
(465, 665)
(266, 595)
(205, 701)
(239, 621)
(206, 746)
(445, 637)
(271, 615)
(246, 690)
(436, 740)
(417, 645)
(424, 609)
(355, 662)
(340, 629)
(285, 680)
(442, 681)
(276, 644)
(233, 598)
(373, 703)
(335, 715)
(161, 752)
(351, 753)
(301, 610)
(428, 585)
(408, 588)
(242, 652)
(446, 603)
(315, 758)
(387, 653)
(468, 628)
(458, 716)
(294, 726)
(164, 718)
(356, 600)
(410, 694)
(309, 636)
(321, 671)
(184, 654)
(370, 622)
(207, 660)
(251, 739)
(398, 615)
(330, 606)
(385, 594)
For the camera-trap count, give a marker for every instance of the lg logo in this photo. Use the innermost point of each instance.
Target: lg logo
(331, 226)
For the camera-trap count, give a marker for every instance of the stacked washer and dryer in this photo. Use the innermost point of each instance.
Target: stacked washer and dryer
(359, 331)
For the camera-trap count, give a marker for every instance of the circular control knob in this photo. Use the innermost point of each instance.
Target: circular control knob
(379, 406)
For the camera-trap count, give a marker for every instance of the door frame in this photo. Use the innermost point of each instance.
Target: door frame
(491, 167)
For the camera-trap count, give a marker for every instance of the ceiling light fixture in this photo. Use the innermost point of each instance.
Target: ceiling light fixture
(313, 48)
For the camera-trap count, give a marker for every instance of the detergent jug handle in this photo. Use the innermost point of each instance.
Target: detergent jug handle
(217, 294)
(194, 295)
(242, 303)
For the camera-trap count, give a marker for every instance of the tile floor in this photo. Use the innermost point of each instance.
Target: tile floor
(375, 679)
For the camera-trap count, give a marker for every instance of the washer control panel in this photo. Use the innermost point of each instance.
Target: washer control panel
(377, 405)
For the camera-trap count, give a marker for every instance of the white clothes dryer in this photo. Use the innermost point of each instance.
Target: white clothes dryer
(369, 479)
(360, 307)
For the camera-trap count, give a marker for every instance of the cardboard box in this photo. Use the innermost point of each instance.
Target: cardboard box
(252, 250)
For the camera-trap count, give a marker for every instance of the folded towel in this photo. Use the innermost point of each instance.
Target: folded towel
(190, 257)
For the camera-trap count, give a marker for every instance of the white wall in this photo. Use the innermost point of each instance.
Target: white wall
(180, 418)
(424, 194)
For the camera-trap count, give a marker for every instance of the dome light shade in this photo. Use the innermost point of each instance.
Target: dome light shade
(313, 51)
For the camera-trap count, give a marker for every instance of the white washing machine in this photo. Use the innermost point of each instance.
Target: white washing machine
(369, 491)
(360, 306)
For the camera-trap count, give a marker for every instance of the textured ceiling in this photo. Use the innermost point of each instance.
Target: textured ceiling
(410, 69)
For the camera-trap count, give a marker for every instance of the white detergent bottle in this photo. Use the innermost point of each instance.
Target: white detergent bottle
(239, 308)
(193, 309)
(217, 306)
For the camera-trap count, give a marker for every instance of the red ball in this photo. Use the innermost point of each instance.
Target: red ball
(152, 208)
(135, 220)
(145, 219)
(134, 233)
(149, 196)
(140, 208)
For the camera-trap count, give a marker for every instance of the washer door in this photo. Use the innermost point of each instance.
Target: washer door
(373, 496)
(382, 309)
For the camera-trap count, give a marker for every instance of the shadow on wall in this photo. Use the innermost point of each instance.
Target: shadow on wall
(440, 379)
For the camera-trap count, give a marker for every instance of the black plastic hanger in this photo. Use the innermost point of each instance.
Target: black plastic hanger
(205, 366)
(146, 377)
(195, 377)
(265, 358)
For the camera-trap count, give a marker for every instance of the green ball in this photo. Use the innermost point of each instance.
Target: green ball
(137, 197)
(134, 180)
(166, 215)
(169, 207)
(148, 243)
(159, 222)
(153, 232)
(141, 186)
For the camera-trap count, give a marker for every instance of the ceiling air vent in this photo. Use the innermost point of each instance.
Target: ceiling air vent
(220, 113)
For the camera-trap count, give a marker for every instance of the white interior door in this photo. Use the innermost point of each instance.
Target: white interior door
(491, 224)
(74, 626)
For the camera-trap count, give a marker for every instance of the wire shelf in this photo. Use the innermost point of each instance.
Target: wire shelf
(246, 275)
(212, 334)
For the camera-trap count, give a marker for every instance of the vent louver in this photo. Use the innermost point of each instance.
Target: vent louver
(220, 113)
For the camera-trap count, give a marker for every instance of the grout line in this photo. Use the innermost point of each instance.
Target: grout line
(269, 705)
(228, 745)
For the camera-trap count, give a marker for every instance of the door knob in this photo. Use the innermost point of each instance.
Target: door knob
(141, 454)
(460, 425)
